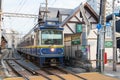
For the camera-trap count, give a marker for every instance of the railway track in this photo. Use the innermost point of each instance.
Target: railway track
(59, 71)
(25, 72)
(20, 71)
(14, 64)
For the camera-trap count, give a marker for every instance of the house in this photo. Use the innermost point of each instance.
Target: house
(78, 28)
(80, 33)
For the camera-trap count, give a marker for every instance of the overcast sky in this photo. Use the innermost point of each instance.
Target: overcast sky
(23, 25)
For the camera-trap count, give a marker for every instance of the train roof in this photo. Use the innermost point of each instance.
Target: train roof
(51, 24)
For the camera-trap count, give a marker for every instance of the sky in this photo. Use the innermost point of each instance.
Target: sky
(23, 25)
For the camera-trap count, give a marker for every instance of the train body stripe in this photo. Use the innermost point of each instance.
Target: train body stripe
(44, 46)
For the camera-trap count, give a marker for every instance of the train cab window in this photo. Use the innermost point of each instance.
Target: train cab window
(51, 37)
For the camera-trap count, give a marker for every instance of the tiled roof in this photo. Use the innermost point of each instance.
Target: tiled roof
(53, 11)
(87, 6)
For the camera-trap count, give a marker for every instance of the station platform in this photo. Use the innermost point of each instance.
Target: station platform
(14, 78)
(87, 76)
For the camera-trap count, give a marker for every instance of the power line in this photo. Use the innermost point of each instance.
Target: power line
(22, 5)
(19, 3)
(53, 2)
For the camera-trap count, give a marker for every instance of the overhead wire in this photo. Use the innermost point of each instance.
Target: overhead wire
(24, 1)
(34, 20)
(34, 26)
(19, 4)
(18, 8)
(52, 3)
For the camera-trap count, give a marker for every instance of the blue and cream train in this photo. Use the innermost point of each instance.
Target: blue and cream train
(45, 46)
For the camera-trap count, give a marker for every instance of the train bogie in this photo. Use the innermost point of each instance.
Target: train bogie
(51, 61)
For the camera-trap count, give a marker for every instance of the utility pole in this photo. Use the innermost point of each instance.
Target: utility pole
(0, 23)
(114, 38)
(98, 55)
(102, 35)
(46, 8)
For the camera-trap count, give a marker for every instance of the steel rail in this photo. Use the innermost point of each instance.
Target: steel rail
(60, 68)
(53, 74)
(32, 71)
(27, 68)
(16, 71)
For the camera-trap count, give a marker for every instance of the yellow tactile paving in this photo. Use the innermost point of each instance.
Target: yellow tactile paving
(15, 78)
(36, 78)
(70, 77)
(54, 77)
(96, 76)
(87, 76)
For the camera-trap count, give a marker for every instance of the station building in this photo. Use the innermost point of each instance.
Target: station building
(80, 32)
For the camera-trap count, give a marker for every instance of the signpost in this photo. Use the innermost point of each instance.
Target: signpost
(108, 44)
(108, 24)
(78, 28)
(75, 40)
(99, 26)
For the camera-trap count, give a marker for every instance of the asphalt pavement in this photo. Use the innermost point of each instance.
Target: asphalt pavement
(108, 70)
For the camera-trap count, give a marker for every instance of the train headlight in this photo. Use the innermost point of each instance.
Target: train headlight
(52, 49)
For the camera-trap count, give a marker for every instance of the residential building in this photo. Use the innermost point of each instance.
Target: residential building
(11, 37)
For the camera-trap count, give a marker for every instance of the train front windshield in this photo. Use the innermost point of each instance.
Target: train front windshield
(51, 37)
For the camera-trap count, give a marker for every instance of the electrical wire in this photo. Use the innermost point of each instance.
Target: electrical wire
(53, 3)
(21, 5)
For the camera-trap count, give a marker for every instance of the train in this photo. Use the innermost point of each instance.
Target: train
(45, 44)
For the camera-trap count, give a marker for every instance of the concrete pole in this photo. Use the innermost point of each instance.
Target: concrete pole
(0, 22)
(114, 39)
(102, 35)
(46, 8)
(98, 57)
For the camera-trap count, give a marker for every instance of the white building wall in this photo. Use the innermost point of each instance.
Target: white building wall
(64, 17)
(109, 52)
(67, 30)
(93, 49)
